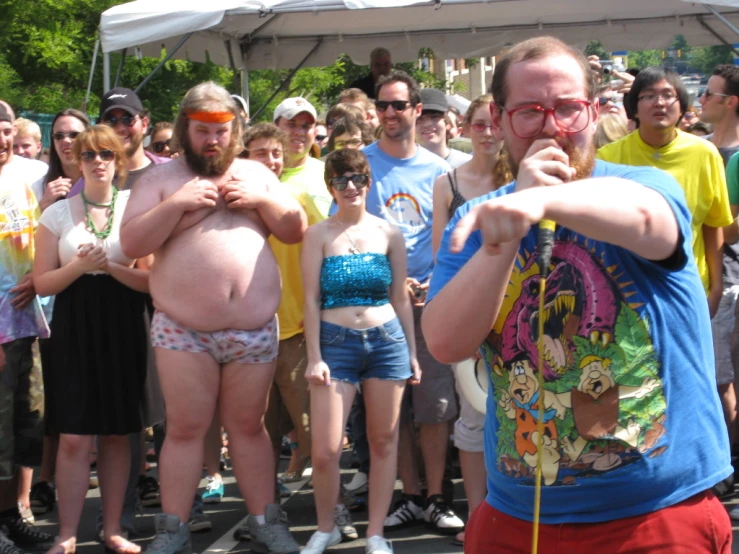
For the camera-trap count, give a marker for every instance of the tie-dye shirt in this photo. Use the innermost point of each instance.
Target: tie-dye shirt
(19, 214)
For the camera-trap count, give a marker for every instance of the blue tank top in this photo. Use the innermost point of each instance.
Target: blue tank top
(355, 280)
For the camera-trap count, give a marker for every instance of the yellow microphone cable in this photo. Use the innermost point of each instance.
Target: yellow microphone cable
(546, 240)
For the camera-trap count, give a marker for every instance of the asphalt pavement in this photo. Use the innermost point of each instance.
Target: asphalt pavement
(230, 514)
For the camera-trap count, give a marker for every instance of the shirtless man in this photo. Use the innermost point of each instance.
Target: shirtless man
(215, 283)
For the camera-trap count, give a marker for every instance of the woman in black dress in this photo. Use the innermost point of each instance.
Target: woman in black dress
(98, 343)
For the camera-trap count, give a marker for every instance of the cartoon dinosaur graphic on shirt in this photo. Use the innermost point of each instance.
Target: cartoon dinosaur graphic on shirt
(580, 300)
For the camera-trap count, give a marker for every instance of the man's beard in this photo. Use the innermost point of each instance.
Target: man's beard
(136, 141)
(582, 160)
(209, 166)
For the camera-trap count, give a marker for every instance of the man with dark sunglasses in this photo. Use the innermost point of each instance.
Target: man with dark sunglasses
(403, 175)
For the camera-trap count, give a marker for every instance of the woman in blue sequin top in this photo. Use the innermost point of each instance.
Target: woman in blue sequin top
(359, 332)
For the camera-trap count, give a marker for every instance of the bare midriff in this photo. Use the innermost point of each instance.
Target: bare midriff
(217, 271)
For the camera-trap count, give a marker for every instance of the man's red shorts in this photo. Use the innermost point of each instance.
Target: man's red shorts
(698, 525)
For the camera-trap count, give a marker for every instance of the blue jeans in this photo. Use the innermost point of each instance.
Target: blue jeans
(356, 354)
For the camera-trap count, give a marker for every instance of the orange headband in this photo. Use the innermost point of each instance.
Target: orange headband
(210, 117)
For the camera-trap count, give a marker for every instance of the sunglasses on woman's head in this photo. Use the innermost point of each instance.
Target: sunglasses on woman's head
(89, 156)
(340, 183)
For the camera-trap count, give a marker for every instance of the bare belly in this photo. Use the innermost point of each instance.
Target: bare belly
(359, 317)
(218, 274)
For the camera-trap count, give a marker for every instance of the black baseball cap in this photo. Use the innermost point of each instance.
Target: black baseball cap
(121, 99)
(434, 100)
(5, 115)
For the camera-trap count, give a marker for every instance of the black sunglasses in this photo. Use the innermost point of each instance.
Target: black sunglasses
(398, 105)
(340, 183)
(89, 156)
(127, 120)
(61, 136)
(319, 138)
(160, 145)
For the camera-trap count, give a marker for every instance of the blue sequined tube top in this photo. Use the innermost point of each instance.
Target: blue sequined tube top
(355, 280)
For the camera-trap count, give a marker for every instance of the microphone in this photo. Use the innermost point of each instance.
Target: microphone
(546, 239)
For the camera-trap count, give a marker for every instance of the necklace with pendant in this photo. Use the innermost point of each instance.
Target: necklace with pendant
(354, 249)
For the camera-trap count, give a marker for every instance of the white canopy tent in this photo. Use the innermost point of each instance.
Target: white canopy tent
(271, 34)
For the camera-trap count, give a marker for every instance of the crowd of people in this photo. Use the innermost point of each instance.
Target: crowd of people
(315, 282)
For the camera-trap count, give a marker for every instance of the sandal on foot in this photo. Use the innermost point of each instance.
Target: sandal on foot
(122, 546)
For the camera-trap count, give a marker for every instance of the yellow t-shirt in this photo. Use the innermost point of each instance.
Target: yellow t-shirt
(290, 312)
(697, 166)
(309, 178)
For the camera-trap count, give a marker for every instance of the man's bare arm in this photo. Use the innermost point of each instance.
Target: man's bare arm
(256, 188)
(150, 219)
(617, 211)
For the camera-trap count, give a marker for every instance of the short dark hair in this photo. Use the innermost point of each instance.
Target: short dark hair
(339, 162)
(730, 74)
(536, 49)
(351, 126)
(646, 78)
(264, 131)
(414, 91)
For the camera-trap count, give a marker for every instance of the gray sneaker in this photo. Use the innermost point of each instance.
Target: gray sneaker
(343, 521)
(274, 536)
(172, 536)
(199, 522)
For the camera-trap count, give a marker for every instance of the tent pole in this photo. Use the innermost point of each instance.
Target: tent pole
(721, 39)
(169, 55)
(284, 83)
(245, 84)
(725, 21)
(120, 68)
(92, 73)
(106, 72)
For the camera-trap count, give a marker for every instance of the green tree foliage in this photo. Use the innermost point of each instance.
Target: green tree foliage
(704, 59)
(595, 48)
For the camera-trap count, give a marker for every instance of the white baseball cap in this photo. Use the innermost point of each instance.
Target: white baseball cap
(290, 107)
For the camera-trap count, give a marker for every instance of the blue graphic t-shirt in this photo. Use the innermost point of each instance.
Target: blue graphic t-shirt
(402, 193)
(632, 420)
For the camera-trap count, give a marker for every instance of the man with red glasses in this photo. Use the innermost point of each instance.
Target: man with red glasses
(624, 391)
(403, 175)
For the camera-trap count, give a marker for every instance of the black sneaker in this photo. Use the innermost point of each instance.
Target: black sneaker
(7, 546)
(439, 516)
(148, 490)
(25, 535)
(43, 498)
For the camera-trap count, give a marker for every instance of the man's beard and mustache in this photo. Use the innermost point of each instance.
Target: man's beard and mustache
(136, 140)
(209, 166)
(582, 160)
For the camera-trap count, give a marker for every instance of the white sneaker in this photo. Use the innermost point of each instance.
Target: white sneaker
(378, 545)
(405, 512)
(319, 542)
(439, 516)
(358, 484)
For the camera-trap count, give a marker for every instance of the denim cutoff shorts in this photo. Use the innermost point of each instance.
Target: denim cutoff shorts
(356, 354)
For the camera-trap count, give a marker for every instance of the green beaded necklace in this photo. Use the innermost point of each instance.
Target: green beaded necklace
(105, 233)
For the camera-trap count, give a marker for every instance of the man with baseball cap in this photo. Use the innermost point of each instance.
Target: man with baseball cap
(297, 117)
(433, 126)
